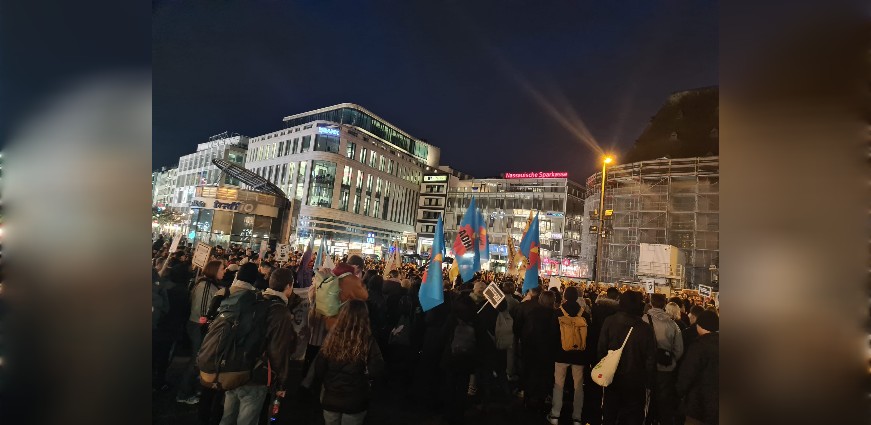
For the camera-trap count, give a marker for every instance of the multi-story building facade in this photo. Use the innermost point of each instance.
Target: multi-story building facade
(506, 204)
(351, 176)
(196, 169)
(163, 184)
(432, 203)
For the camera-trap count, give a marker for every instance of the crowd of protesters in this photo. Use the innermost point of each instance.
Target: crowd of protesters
(460, 355)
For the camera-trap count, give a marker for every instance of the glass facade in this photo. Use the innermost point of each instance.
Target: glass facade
(321, 183)
(373, 125)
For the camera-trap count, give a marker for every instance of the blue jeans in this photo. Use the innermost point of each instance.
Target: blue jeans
(336, 418)
(242, 406)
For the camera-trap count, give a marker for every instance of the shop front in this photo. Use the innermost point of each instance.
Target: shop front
(229, 215)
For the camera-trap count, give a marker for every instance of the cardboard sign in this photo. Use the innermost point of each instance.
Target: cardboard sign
(493, 294)
(704, 291)
(174, 246)
(201, 254)
(264, 246)
(554, 283)
(649, 285)
(282, 252)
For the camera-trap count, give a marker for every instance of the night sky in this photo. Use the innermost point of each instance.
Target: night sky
(497, 85)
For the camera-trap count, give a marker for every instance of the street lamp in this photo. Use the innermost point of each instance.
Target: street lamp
(598, 273)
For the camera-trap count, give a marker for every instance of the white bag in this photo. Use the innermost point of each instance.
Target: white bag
(603, 372)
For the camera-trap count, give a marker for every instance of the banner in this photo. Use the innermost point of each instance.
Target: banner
(431, 293)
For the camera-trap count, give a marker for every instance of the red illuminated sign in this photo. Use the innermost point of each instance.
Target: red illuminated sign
(538, 175)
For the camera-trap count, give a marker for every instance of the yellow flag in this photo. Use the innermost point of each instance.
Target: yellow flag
(454, 271)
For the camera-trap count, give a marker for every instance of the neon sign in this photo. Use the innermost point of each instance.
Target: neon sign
(538, 175)
(329, 131)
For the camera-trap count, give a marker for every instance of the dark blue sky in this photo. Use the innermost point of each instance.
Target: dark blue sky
(461, 74)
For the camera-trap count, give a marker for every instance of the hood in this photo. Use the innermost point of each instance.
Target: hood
(658, 314)
(607, 302)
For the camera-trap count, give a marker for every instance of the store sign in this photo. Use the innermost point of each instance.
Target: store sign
(556, 236)
(435, 178)
(243, 207)
(329, 131)
(538, 175)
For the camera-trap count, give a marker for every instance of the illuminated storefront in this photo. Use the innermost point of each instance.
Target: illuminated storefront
(225, 215)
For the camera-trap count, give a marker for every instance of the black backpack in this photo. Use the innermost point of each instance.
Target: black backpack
(235, 342)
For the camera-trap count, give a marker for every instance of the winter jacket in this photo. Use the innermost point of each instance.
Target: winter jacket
(637, 363)
(201, 296)
(346, 387)
(690, 334)
(522, 315)
(602, 308)
(571, 357)
(668, 336)
(281, 342)
(698, 379)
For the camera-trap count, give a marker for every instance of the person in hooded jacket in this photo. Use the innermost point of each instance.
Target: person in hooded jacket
(668, 339)
(604, 306)
(536, 338)
(462, 342)
(698, 379)
(565, 360)
(346, 363)
(624, 399)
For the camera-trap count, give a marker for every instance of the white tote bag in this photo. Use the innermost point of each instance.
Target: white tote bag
(603, 372)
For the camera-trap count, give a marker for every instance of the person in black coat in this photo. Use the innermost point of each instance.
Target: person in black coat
(456, 366)
(698, 379)
(536, 338)
(565, 360)
(428, 378)
(604, 306)
(624, 399)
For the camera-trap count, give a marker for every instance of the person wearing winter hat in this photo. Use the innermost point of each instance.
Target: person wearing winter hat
(698, 380)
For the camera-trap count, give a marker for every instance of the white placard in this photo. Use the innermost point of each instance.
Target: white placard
(704, 291)
(201, 255)
(174, 246)
(554, 283)
(264, 246)
(649, 285)
(282, 252)
(493, 294)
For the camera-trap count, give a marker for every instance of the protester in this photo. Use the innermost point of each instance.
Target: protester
(201, 295)
(690, 333)
(536, 338)
(698, 379)
(347, 362)
(669, 345)
(624, 399)
(244, 405)
(565, 360)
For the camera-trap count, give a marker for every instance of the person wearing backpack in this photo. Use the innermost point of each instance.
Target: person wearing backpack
(335, 287)
(624, 399)
(570, 336)
(345, 366)
(250, 336)
(669, 348)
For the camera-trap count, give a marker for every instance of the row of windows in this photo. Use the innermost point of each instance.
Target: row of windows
(204, 159)
(327, 143)
(322, 183)
(365, 121)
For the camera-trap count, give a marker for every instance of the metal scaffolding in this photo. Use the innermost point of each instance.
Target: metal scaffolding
(666, 201)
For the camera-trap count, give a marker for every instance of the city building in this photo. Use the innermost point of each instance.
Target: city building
(349, 175)
(431, 205)
(221, 215)
(197, 169)
(163, 184)
(506, 204)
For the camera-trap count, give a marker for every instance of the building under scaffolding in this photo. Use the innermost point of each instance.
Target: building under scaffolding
(666, 201)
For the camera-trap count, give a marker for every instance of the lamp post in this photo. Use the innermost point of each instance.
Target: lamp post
(598, 271)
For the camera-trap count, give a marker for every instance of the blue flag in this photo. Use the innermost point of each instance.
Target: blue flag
(466, 247)
(431, 292)
(529, 246)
